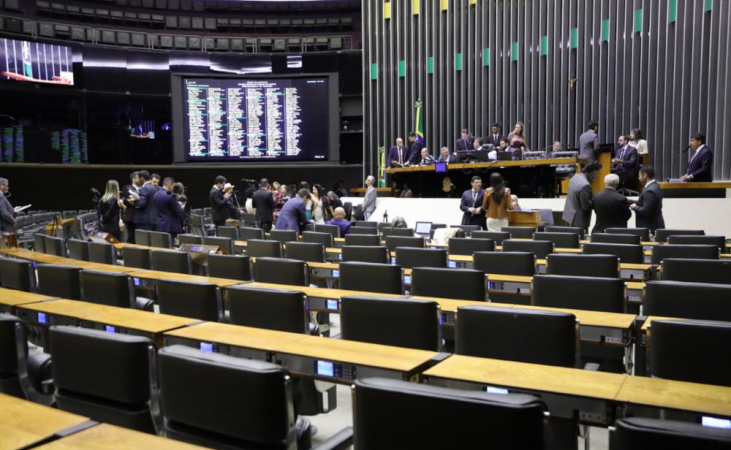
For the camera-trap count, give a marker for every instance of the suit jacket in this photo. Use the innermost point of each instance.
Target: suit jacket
(579, 202)
(629, 167)
(221, 207)
(491, 139)
(451, 159)
(648, 210)
(701, 166)
(415, 153)
(369, 202)
(588, 143)
(170, 216)
(343, 224)
(7, 215)
(467, 202)
(293, 215)
(264, 204)
(612, 210)
(145, 212)
(393, 155)
(129, 213)
(461, 145)
(428, 161)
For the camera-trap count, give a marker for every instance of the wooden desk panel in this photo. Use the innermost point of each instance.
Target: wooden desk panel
(592, 318)
(320, 292)
(109, 437)
(159, 275)
(236, 335)
(11, 298)
(51, 259)
(654, 392)
(697, 185)
(486, 165)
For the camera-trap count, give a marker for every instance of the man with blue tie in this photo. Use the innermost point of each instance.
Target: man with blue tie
(626, 166)
(700, 167)
(465, 142)
(471, 204)
(398, 154)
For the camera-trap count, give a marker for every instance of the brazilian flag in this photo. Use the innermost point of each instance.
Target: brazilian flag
(419, 126)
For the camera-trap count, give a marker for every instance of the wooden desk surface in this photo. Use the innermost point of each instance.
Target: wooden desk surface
(483, 165)
(24, 423)
(236, 335)
(320, 292)
(680, 395)
(648, 321)
(111, 315)
(327, 249)
(11, 297)
(159, 275)
(591, 318)
(51, 259)
(536, 377)
(701, 185)
(105, 436)
(451, 305)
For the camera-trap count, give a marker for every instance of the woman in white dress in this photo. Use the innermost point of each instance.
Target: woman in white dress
(637, 141)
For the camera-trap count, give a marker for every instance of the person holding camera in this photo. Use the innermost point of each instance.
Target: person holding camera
(222, 206)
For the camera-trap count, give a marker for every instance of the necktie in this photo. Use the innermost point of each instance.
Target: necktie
(621, 154)
(474, 197)
(465, 143)
(400, 157)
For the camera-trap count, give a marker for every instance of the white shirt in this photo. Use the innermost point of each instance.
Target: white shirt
(649, 183)
(696, 152)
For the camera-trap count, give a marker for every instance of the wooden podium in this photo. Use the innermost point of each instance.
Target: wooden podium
(605, 159)
(524, 218)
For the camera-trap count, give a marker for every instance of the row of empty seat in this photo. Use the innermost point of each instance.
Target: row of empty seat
(233, 7)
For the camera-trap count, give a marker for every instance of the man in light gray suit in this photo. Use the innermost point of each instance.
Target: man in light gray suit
(369, 203)
(7, 212)
(579, 201)
(589, 141)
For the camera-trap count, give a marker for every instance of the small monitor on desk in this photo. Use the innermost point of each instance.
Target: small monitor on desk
(482, 154)
(505, 156)
(440, 167)
(423, 228)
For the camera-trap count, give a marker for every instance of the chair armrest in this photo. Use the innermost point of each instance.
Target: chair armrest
(593, 367)
(340, 441)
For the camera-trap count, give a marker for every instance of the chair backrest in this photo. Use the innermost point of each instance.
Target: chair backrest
(662, 234)
(627, 253)
(409, 258)
(233, 267)
(104, 376)
(39, 242)
(259, 398)
(78, 249)
(468, 246)
(560, 240)
(334, 230)
(226, 243)
(564, 170)
(112, 289)
(9, 354)
(539, 248)
(55, 246)
(644, 233)
(697, 270)
(468, 229)
(273, 309)
(368, 224)
(398, 412)
(392, 242)
(159, 239)
(388, 321)
(513, 334)
(497, 236)
(177, 262)
(691, 350)
(190, 299)
(325, 239)
(101, 252)
(371, 277)
(363, 239)
(379, 225)
(59, 281)
(139, 258)
(17, 274)
(363, 230)
(281, 271)
(589, 293)
(660, 252)
(257, 248)
(605, 266)
(246, 233)
(228, 232)
(519, 232)
(305, 251)
(639, 433)
(718, 241)
(142, 237)
(190, 239)
(283, 236)
(369, 254)
(505, 263)
(612, 238)
(560, 229)
(700, 301)
(404, 232)
(461, 284)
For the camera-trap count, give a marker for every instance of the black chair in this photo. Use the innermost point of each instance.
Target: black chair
(103, 376)
(604, 266)
(380, 226)
(228, 232)
(158, 239)
(644, 233)
(257, 248)
(362, 239)
(513, 334)
(371, 277)
(519, 232)
(409, 258)
(369, 224)
(404, 232)
(77, 249)
(497, 236)
(559, 229)
(139, 258)
(39, 242)
(539, 248)
(201, 301)
(176, 262)
(718, 241)
(660, 252)
(371, 231)
(662, 234)
(333, 230)
(246, 233)
(283, 236)
(55, 246)
(387, 321)
(281, 271)
(17, 274)
(142, 237)
(588, 293)
(393, 242)
(505, 263)
(232, 267)
(560, 240)
(694, 351)
(273, 309)
(111, 289)
(355, 253)
(638, 433)
(225, 243)
(460, 284)
(102, 253)
(325, 239)
(611, 238)
(468, 229)
(27, 374)
(628, 254)
(305, 251)
(468, 246)
(697, 270)
(59, 281)
(398, 413)
(699, 301)
(190, 239)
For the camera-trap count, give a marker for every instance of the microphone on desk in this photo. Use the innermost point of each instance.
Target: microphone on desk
(685, 149)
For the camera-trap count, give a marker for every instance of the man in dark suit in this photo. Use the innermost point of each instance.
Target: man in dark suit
(398, 153)
(263, 202)
(415, 149)
(446, 157)
(612, 208)
(294, 214)
(648, 209)
(170, 215)
(465, 142)
(426, 159)
(130, 194)
(700, 167)
(495, 135)
(471, 204)
(222, 207)
(626, 161)
(146, 214)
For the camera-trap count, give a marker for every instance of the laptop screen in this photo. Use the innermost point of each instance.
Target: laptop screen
(423, 228)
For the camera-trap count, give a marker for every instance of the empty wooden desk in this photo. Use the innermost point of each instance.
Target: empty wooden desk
(154, 275)
(10, 299)
(51, 259)
(105, 436)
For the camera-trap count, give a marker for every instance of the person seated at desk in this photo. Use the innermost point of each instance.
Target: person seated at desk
(465, 142)
(625, 164)
(294, 214)
(339, 220)
(498, 200)
(612, 208)
(398, 154)
(426, 158)
(700, 167)
(446, 157)
(471, 204)
(479, 145)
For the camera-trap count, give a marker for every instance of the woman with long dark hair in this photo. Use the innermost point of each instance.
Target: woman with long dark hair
(497, 202)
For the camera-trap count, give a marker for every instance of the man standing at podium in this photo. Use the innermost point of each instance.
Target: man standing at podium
(700, 167)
